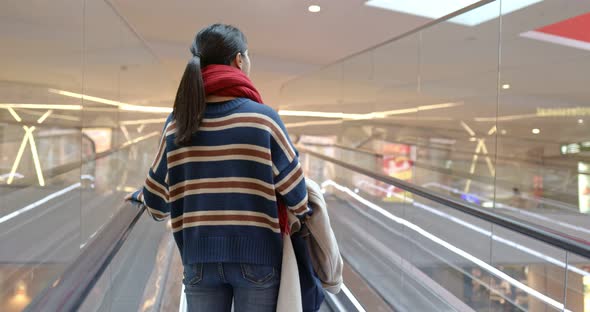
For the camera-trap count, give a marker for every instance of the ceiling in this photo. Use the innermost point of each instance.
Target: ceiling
(135, 51)
(450, 63)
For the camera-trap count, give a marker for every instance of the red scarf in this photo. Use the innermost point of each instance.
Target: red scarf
(223, 80)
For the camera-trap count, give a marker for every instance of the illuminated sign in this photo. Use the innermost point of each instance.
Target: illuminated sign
(563, 111)
(575, 148)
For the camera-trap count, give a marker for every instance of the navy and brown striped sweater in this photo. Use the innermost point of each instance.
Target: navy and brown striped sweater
(221, 191)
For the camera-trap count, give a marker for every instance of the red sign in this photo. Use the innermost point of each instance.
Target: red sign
(571, 32)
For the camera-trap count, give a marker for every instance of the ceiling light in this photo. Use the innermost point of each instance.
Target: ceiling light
(14, 114)
(472, 139)
(44, 116)
(312, 123)
(337, 115)
(120, 105)
(536, 131)
(493, 130)
(437, 9)
(580, 121)
(373, 115)
(503, 131)
(314, 8)
(86, 97)
(40, 106)
(142, 121)
(467, 128)
(505, 86)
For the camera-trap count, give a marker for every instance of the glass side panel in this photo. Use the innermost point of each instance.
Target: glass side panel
(65, 65)
(543, 107)
(419, 255)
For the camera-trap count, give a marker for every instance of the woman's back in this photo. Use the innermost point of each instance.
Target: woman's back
(220, 173)
(221, 189)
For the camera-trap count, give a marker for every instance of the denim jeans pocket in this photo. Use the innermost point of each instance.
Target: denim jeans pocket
(258, 274)
(193, 274)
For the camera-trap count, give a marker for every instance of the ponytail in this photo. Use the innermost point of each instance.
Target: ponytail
(215, 44)
(189, 104)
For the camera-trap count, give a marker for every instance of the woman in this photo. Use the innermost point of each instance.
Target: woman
(224, 163)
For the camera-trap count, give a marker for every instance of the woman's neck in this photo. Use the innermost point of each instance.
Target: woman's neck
(216, 98)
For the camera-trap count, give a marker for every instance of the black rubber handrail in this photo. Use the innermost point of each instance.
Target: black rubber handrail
(554, 238)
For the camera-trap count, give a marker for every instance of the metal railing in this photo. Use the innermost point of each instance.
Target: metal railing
(554, 238)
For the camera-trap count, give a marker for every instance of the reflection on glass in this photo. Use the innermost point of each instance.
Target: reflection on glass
(61, 105)
(514, 140)
(522, 275)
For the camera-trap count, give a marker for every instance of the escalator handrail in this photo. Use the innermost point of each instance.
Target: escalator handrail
(69, 290)
(554, 238)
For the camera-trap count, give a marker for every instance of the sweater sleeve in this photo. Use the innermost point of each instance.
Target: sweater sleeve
(154, 194)
(289, 179)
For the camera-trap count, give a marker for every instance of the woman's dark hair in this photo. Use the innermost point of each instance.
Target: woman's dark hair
(215, 44)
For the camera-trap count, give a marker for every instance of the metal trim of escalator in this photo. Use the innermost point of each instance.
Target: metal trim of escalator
(546, 235)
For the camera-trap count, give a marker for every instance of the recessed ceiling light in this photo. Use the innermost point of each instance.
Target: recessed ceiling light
(437, 9)
(503, 131)
(580, 121)
(472, 139)
(536, 131)
(505, 86)
(314, 8)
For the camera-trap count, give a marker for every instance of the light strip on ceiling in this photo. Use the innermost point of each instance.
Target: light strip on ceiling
(312, 123)
(143, 121)
(320, 114)
(149, 135)
(86, 97)
(53, 115)
(504, 118)
(146, 109)
(27, 137)
(373, 115)
(120, 105)
(42, 118)
(492, 130)
(19, 155)
(467, 128)
(531, 291)
(435, 9)
(36, 161)
(125, 133)
(41, 106)
(14, 114)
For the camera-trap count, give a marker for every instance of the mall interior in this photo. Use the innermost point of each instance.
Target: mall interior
(451, 140)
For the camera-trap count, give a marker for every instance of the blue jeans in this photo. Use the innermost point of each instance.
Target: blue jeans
(212, 287)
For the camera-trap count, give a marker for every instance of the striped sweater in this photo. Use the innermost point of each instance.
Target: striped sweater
(221, 192)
